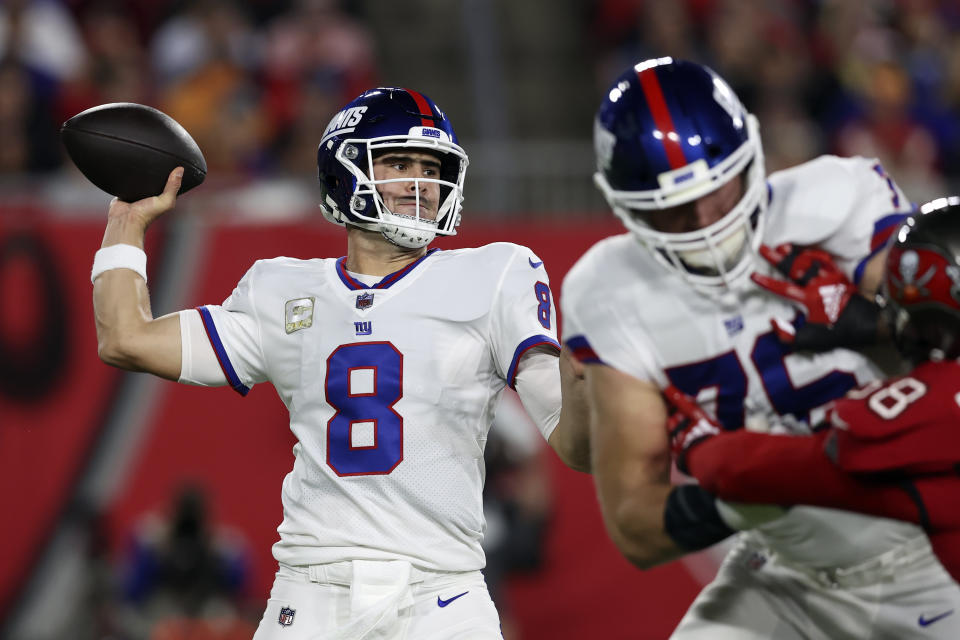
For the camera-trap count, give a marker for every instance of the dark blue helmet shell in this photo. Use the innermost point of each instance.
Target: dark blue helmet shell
(664, 117)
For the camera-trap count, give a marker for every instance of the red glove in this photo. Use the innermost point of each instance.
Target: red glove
(687, 424)
(836, 316)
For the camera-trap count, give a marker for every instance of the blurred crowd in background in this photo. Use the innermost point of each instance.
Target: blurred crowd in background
(256, 82)
(251, 81)
(875, 78)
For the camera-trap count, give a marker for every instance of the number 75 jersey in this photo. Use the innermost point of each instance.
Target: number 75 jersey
(391, 388)
(623, 309)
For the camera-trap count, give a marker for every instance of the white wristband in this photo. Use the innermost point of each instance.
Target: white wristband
(120, 256)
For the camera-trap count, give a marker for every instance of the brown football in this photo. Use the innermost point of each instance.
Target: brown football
(129, 149)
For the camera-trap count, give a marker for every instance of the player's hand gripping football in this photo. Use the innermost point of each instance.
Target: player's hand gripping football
(687, 424)
(836, 314)
(141, 213)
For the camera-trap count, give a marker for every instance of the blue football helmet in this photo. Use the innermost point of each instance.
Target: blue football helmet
(378, 120)
(668, 132)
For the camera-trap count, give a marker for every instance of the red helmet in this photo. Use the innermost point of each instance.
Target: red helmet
(921, 285)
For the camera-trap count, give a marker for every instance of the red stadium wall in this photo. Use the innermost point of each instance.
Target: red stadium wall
(239, 449)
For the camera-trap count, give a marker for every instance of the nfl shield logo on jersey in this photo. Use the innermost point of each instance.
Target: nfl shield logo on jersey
(364, 301)
(286, 616)
(733, 325)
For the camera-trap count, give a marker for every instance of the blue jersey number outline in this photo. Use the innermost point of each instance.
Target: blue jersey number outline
(376, 406)
(726, 373)
(542, 291)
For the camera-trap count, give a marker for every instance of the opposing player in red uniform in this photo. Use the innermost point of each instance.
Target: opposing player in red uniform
(890, 448)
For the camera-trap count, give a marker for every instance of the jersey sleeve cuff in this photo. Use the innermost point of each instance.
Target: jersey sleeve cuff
(221, 352)
(523, 347)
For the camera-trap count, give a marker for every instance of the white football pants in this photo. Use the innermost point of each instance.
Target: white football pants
(377, 600)
(901, 595)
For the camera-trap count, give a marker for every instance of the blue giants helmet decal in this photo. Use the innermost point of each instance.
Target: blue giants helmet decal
(345, 121)
(286, 616)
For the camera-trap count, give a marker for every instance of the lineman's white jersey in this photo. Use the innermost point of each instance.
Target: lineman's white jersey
(622, 308)
(391, 389)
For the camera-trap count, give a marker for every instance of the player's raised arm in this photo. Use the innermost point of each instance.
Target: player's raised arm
(128, 336)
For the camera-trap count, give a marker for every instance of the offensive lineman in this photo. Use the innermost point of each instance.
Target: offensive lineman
(390, 361)
(671, 303)
(890, 448)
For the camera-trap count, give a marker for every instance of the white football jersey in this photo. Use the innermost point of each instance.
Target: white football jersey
(391, 388)
(622, 308)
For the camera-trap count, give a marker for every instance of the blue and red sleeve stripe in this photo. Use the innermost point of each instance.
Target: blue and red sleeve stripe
(221, 353)
(582, 350)
(522, 348)
(883, 230)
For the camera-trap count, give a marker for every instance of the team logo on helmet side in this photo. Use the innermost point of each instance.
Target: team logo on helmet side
(953, 272)
(728, 101)
(921, 282)
(604, 143)
(344, 122)
(921, 275)
(910, 286)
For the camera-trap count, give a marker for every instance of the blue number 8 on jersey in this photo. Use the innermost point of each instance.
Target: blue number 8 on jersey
(370, 404)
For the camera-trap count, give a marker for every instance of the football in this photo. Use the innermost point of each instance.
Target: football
(129, 149)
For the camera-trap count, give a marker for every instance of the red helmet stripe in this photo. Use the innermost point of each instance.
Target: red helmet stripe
(424, 106)
(661, 117)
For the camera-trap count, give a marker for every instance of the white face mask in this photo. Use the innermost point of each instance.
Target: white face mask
(367, 208)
